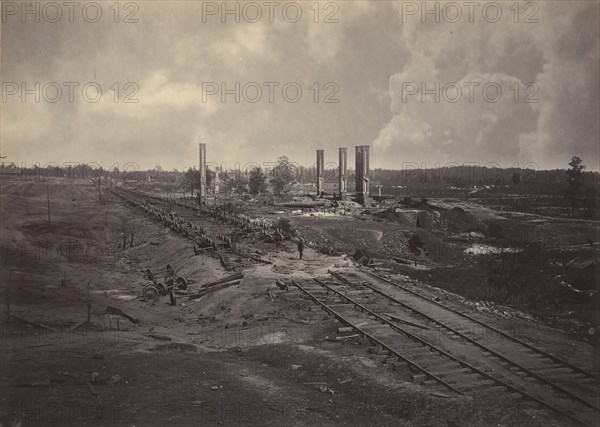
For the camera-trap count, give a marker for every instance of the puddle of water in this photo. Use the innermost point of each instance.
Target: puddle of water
(480, 249)
(579, 291)
(321, 214)
(115, 294)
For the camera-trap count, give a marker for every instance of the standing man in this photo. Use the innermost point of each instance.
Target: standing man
(300, 247)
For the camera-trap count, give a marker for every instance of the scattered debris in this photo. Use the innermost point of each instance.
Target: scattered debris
(221, 259)
(281, 285)
(160, 337)
(237, 276)
(115, 379)
(114, 310)
(261, 260)
(345, 337)
(442, 395)
(361, 257)
(212, 289)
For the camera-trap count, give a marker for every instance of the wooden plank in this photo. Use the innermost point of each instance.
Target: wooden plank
(221, 259)
(264, 261)
(408, 322)
(160, 337)
(31, 322)
(78, 325)
(345, 337)
(236, 276)
(114, 310)
(213, 289)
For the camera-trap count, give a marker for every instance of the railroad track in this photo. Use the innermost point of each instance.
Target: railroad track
(208, 227)
(546, 368)
(545, 354)
(433, 342)
(241, 221)
(191, 229)
(427, 336)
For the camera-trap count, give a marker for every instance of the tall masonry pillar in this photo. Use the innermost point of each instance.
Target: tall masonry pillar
(343, 170)
(202, 169)
(320, 170)
(362, 174)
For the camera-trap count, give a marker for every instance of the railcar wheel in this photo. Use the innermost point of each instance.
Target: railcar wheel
(151, 293)
(182, 283)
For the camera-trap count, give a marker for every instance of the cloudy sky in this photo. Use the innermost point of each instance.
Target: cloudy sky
(514, 85)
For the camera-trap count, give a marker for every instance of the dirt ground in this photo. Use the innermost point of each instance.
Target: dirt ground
(250, 354)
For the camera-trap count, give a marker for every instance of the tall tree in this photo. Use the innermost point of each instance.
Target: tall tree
(237, 184)
(576, 191)
(191, 179)
(210, 177)
(283, 175)
(257, 181)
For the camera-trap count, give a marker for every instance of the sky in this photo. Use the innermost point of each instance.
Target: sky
(517, 84)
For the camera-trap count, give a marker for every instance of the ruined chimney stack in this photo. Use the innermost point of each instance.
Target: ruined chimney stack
(343, 170)
(362, 174)
(202, 169)
(320, 170)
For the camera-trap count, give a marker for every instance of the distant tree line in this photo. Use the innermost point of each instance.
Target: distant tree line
(582, 189)
(579, 186)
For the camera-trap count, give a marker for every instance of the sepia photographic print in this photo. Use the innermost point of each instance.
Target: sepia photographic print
(299, 213)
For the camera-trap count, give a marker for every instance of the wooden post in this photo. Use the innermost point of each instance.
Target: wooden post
(89, 303)
(131, 244)
(124, 241)
(48, 197)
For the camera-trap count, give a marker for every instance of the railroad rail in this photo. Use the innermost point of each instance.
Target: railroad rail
(430, 366)
(496, 330)
(375, 340)
(477, 343)
(182, 226)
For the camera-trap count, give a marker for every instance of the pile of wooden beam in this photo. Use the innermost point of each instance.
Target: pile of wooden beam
(225, 282)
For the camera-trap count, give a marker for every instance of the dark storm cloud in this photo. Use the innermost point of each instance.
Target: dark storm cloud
(368, 54)
(559, 54)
